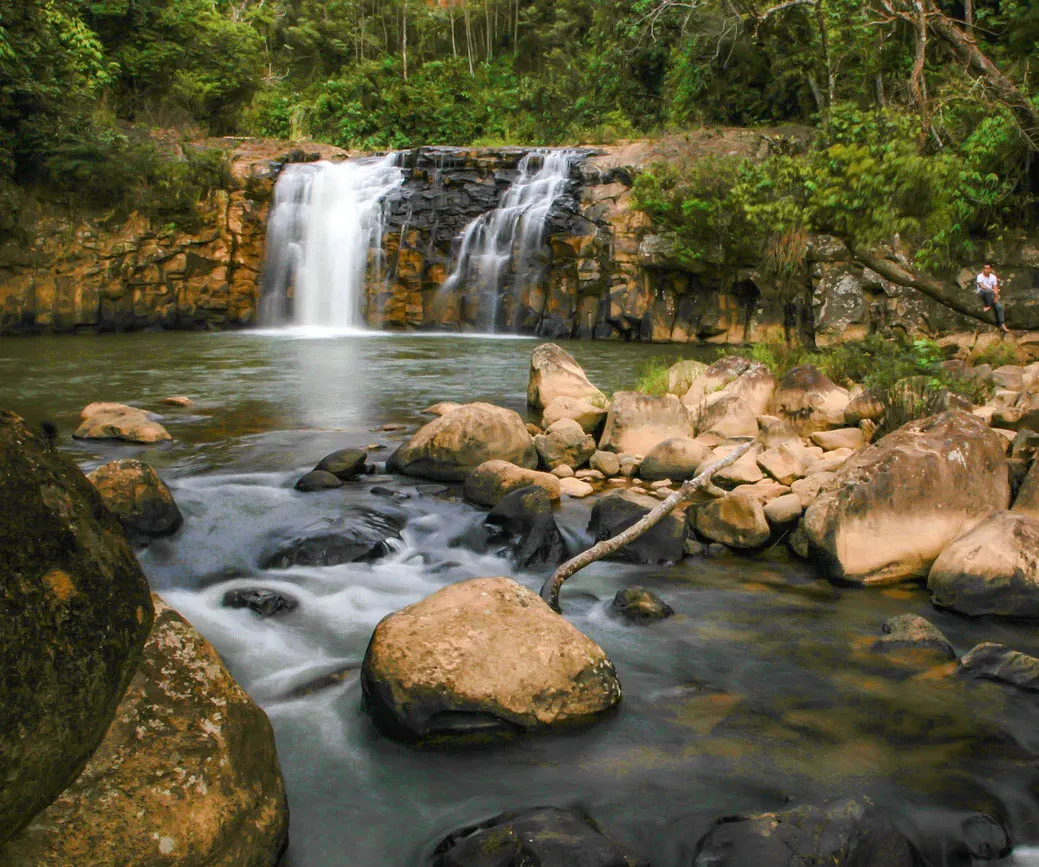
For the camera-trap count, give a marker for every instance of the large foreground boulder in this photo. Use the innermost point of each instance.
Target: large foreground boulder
(187, 773)
(894, 506)
(638, 422)
(488, 484)
(810, 401)
(991, 569)
(844, 833)
(449, 447)
(615, 513)
(76, 611)
(116, 421)
(542, 837)
(136, 495)
(485, 652)
(554, 373)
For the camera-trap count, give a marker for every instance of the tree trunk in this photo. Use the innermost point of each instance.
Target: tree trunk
(917, 81)
(468, 37)
(404, 38)
(824, 42)
(550, 589)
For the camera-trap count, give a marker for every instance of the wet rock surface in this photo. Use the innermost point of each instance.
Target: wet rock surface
(116, 421)
(135, 494)
(991, 661)
(344, 464)
(318, 480)
(523, 521)
(266, 603)
(359, 535)
(639, 605)
(614, 513)
(492, 481)
(910, 631)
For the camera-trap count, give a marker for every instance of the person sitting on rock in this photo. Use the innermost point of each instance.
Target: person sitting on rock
(988, 292)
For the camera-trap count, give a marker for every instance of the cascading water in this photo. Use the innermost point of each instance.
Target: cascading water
(500, 249)
(326, 220)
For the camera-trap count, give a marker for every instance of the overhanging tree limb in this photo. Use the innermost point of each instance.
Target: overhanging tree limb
(550, 589)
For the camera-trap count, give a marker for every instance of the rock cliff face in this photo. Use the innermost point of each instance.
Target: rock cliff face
(604, 271)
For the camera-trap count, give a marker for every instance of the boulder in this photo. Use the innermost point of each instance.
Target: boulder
(1027, 500)
(809, 401)
(614, 513)
(76, 613)
(589, 416)
(993, 568)
(357, 535)
(783, 510)
(606, 463)
(997, 662)
(842, 438)
(564, 442)
(478, 654)
(449, 447)
(543, 836)
(266, 603)
(637, 422)
(786, 462)
(1009, 376)
(737, 520)
(682, 375)
(492, 480)
(774, 431)
(135, 494)
(845, 833)
(442, 408)
(715, 377)
(179, 400)
(829, 463)
(675, 459)
(726, 416)
(187, 773)
(809, 488)
(743, 471)
(912, 632)
(116, 421)
(554, 373)
(523, 522)
(640, 605)
(864, 406)
(895, 506)
(563, 472)
(318, 480)
(344, 464)
(575, 488)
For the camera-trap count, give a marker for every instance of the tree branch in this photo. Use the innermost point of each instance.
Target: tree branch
(550, 589)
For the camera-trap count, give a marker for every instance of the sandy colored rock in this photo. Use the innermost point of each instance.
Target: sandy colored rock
(116, 421)
(637, 422)
(716, 377)
(187, 773)
(783, 510)
(589, 416)
(489, 649)
(564, 442)
(606, 463)
(554, 373)
(1027, 500)
(773, 431)
(842, 438)
(589, 476)
(682, 375)
(449, 447)
(809, 401)
(863, 406)
(1009, 376)
(786, 463)
(736, 520)
(765, 490)
(135, 494)
(727, 416)
(744, 471)
(897, 504)
(991, 569)
(575, 488)
(178, 401)
(563, 472)
(754, 386)
(76, 614)
(809, 488)
(676, 459)
(831, 462)
(442, 408)
(488, 484)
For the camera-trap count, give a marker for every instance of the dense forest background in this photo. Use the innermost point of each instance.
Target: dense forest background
(926, 126)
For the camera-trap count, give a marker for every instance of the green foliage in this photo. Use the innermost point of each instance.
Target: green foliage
(651, 375)
(998, 354)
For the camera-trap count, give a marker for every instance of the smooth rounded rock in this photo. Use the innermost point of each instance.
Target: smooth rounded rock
(997, 662)
(910, 631)
(640, 605)
(343, 464)
(676, 459)
(491, 481)
(736, 520)
(135, 494)
(318, 480)
(637, 422)
(606, 463)
(783, 510)
(116, 421)
(554, 373)
(591, 417)
(810, 401)
(564, 442)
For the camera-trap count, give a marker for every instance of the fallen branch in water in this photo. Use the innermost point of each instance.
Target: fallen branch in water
(550, 589)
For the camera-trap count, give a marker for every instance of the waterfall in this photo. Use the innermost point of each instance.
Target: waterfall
(326, 221)
(499, 250)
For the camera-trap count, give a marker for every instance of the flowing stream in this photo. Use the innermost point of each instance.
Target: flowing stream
(760, 693)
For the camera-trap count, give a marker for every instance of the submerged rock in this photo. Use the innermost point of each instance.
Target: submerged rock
(343, 464)
(843, 833)
(541, 837)
(895, 506)
(186, 775)
(910, 631)
(523, 521)
(663, 543)
(116, 421)
(554, 373)
(991, 569)
(483, 653)
(364, 535)
(997, 662)
(448, 448)
(76, 613)
(135, 494)
(266, 603)
(640, 605)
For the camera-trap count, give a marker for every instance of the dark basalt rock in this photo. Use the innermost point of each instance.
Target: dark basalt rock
(845, 833)
(999, 663)
(266, 603)
(343, 464)
(361, 536)
(523, 522)
(540, 837)
(664, 543)
(318, 480)
(76, 613)
(640, 605)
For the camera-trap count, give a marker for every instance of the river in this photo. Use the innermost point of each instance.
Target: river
(760, 693)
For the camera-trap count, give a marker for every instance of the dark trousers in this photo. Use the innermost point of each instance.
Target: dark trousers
(988, 299)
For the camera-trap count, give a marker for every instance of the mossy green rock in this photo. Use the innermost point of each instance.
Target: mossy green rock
(75, 609)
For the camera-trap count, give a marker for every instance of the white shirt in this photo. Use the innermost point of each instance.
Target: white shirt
(987, 281)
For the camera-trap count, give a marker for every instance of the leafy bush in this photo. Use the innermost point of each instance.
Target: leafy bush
(651, 375)
(999, 354)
